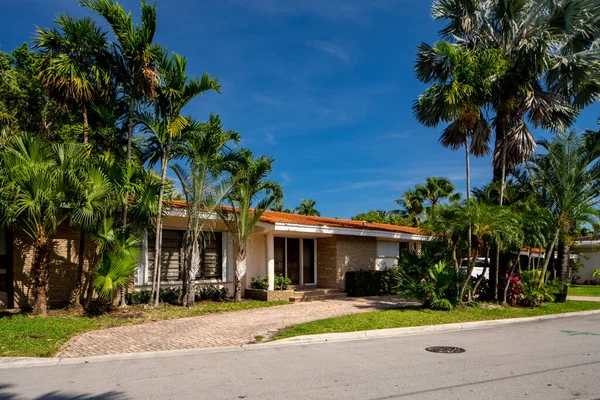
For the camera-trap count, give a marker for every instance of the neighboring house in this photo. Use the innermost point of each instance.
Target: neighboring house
(311, 251)
(588, 250)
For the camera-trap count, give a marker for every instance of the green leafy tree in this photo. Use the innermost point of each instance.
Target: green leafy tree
(435, 190)
(566, 177)
(174, 93)
(135, 58)
(413, 206)
(208, 154)
(307, 207)
(252, 189)
(74, 64)
(37, 183)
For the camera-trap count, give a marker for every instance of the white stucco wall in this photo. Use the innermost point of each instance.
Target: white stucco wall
(256, 261)
(590, 260)
(387, 254)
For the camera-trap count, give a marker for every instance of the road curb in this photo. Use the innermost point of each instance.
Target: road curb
(416, 330)
(24, 362)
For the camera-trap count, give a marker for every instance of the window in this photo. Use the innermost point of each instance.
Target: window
(211, 259)
(173, 257)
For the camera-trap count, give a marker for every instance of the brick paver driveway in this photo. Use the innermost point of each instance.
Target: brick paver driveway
(225, 329)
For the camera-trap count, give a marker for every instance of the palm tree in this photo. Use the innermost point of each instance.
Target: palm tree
(74, 67)
(413, 206)
(307, 207)
(175, 92)
(93, 200)
(463, 80)
(252, 188)
(435, 190)
(37, 183)
(135, 57)
(208, 155)
(566, 177)
(554, 41)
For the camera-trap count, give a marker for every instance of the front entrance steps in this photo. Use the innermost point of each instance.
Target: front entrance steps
(311, 293)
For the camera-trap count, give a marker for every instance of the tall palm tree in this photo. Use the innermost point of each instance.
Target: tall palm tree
(37, 181)
(437, 189)
(174, 93)
(307, 207)
(413, 206)
(463, 79)
(208, 155)
(551, 49)
(136, 70)
(567, 177)
(253, 193)
(74, 64)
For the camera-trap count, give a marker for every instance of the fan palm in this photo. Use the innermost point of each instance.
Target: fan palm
(435, 190)
(567, 177)
(174, 93)
(307, 207)
(74, 67)
(252, 188)
(208, 155)
(552, 52)
(37, 182)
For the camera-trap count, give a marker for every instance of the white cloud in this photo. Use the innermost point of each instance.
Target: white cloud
(330, 48)
(285, 178)
(271, 139)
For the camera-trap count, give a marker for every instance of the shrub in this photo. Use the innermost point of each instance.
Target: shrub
(515, 292)
(212, 292)
(167, 295)
(282, 282)
(437, 288)
(372, 283)
(534, 296)
(259, 283)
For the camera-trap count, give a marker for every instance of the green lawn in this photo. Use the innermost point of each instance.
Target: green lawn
(24, 336)
(416, 316)
(584, 290)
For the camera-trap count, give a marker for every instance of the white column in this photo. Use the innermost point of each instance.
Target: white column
(271, 260)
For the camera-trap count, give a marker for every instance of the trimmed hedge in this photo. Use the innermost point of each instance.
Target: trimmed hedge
(372, 283)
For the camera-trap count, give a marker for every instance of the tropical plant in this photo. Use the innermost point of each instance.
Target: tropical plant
(36, 185)
(435, 190)
(252, 189)
(436, 288)
(567, 177)
(282, 282)
(135, 59)
(259, 283)
(175, 92)
(208, 155)
(596, 274)
(412, 203)
(307, 207)
(381, 216)
(74, 65)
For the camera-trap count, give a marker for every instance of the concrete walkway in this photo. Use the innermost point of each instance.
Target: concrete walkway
(583, 298)
(215, 330)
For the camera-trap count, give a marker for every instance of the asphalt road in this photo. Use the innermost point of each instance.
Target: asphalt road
(558, 359)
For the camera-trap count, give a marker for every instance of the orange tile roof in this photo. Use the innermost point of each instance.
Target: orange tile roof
(275, 217)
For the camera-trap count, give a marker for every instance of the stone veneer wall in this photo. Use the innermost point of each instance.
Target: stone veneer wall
(63, 266)
(338, 254)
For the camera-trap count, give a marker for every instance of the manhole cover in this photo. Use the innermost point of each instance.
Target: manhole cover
(445, 349)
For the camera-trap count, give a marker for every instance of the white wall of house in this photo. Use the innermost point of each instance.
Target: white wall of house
(256, 260)
(590, 260)
(387, 254)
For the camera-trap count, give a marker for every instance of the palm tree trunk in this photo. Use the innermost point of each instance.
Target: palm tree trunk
(564, 271)
(240, 272)
(485, 268)
(500, 140)
(75, 300)
(129, 145)
(468, 164)
(41, 272)
(85, 122)
(192, 263)
(158, 245)
(548, 257)
(468, 277)
(510, 273)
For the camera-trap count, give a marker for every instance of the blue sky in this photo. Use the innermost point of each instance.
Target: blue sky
(324, 86)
